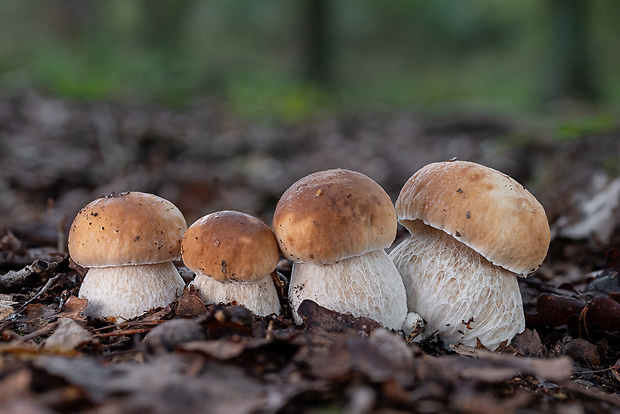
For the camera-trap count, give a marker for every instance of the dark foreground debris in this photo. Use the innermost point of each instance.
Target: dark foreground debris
(189, 357)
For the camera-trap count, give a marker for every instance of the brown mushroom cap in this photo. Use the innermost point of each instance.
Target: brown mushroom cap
(481, 207)
(126, 229)
(332, 215)
(230, 246)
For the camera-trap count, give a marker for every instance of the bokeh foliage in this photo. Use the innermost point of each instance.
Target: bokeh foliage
(392, 54)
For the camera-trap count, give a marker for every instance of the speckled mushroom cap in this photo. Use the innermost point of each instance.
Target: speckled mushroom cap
(230, 246)
(481, 207)
(130, 228)
(332, 215)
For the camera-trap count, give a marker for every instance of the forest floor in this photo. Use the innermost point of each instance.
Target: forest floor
(56, 156)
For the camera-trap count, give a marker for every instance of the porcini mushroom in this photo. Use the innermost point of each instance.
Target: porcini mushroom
(473, 230)
(334, 226)
(233, 255)
(128, 242)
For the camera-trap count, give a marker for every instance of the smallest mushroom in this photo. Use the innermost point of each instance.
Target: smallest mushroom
(233, 255)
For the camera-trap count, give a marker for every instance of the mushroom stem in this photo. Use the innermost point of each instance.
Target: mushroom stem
(129, 291)
(259, 297)
(459, 293)
(367, 285)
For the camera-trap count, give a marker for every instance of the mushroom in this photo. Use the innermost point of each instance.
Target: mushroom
(128, 242)
(334, 226)
(233, 255)
(473, 230)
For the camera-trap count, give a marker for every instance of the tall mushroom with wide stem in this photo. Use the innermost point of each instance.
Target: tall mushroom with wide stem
(233, 255)
(473, 230)
(128, 242)
(334, 226)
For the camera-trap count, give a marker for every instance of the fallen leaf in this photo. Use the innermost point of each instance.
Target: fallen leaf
(582, 351)
(604, 312)
(219, 349)
(314, 315)
(489, 367)
(598, 215)
(69, 336)
(528, 343)
(170, 334)
(73, 309)
(189, 305)
(553, 310)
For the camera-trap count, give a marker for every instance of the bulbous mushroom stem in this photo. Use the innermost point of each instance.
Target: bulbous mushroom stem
(459, 293)
(259, 297)
(128, 291)
(368, 285)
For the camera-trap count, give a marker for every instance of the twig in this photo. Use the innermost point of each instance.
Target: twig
(122, 333)
(125, 324)
(44, 289)
(18, 278)
(597, 371)
(47, 328)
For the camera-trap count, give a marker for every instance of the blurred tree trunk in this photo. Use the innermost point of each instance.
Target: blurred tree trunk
(570, 71)
(317, 42)
(72, 19)
(164, 23)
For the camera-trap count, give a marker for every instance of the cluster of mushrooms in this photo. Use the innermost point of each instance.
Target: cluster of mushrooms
(473, 230)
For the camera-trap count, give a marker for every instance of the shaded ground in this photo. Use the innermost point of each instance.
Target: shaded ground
(57, 156)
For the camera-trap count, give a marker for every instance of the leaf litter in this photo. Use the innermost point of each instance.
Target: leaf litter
(189, 357)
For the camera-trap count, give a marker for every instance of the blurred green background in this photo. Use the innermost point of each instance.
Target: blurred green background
(287, 61)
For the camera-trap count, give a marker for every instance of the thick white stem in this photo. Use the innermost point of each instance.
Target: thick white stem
(449, 285)
(259, 297)
(368, 285)
(128, 291)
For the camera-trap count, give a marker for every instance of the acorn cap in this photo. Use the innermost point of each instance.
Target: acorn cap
(230, 246)
(130, 228)
(482, 208)
(333, 215)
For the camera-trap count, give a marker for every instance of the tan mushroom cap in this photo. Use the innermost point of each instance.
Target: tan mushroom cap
(230, 246)
(481, 207)
(332, 215)
(130, 228)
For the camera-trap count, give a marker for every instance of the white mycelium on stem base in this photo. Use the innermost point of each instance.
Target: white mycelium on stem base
(334, 226)
(473, 230)
(128, 241)
(233, 255)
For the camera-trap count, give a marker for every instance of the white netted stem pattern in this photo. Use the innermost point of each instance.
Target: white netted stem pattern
(128, 291)
(259, 297)
(449, 285)
(368, 285)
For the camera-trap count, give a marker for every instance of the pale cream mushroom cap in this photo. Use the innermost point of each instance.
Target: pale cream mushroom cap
(332, 215)
(126, 229)
(483, 209)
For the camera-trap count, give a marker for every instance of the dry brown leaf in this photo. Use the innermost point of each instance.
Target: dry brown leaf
(73, 309)
(69, 336)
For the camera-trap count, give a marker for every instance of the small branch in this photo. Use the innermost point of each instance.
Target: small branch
(125, 324)
(122, 333)
(48, 328)
(15, 279)
(44, 289)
